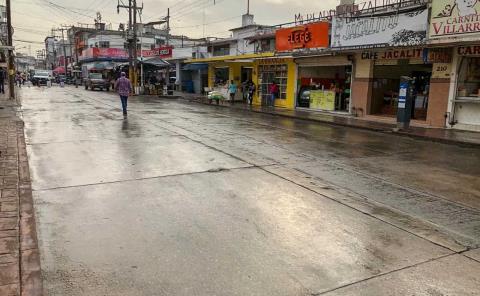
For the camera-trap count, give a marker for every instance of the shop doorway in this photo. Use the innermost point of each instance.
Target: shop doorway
(326, 88)
(246, 77)
(386, 84)
(222, 76)
(247, 74)
(267, 75)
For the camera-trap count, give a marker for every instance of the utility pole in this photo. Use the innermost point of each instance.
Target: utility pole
(132, 37)
(135, 47)
(64, 52)
(11, 66)
(168, 26)
(64, 46)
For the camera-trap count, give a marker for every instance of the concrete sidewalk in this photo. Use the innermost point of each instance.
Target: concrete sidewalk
(449, 136)
(19, 256)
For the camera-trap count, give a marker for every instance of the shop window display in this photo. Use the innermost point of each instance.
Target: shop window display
(469, 78)
(269, 74)
(221, 76)
(325, 88)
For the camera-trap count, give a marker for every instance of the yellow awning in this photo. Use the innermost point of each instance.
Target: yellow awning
(232, 57)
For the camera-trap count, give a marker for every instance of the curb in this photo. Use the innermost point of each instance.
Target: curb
(30, 271)
(368, 128)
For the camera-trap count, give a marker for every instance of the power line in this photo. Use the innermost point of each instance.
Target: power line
(187, 8)
(210, 23)
(28, 41)
(194, 8)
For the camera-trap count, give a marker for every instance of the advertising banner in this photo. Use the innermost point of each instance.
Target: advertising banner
(162, 52)
(313, 35)
(401, 29)
(322, 100)
(120, 53)
(454, 18)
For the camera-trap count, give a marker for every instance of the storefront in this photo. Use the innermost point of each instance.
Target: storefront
(466, 102)
(275, 70)
(316, 84)
(451, 23)
(221, 73)
(378, 75)
(389, 67)
(396, 47)
(324, 83)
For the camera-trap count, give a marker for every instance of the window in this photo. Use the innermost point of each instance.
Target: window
(469, 78)
(221, 50)
(265, 45)
(104, 44)
(269, 74)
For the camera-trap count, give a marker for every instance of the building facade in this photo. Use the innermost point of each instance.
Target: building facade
(351, 62)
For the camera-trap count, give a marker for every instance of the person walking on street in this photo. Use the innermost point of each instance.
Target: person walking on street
(2, 80)
(123, 86)
(18, 79)
(232, 90)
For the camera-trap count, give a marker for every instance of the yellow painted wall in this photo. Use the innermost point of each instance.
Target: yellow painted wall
(289, 102)
(235, 71)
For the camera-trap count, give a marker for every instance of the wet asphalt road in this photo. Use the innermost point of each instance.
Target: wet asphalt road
(188, 199)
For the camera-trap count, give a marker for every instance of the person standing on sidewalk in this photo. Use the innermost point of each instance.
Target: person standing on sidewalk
(273, 93)
(232, 90)
(3, 74)
(251, 91)
(123, 86)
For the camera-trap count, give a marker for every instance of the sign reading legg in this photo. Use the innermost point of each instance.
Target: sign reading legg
(313, 35)
(300, 38)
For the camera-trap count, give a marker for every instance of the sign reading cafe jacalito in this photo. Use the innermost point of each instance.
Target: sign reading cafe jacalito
(454, 18)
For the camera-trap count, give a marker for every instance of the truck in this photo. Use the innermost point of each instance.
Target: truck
(41, 77)
(96, 80)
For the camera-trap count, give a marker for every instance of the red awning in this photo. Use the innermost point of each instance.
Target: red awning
(59, 70)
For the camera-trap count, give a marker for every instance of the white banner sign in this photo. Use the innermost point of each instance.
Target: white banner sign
(401, 29)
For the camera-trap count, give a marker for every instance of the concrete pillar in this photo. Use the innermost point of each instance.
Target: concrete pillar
(178, 69)
(362, 86)
(438, 101)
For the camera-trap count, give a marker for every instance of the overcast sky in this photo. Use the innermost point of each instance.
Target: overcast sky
(33, 19)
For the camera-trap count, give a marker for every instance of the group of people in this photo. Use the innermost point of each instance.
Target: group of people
(248, 90)
(20, 78)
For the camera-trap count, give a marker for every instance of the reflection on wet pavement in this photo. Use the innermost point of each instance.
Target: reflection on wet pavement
(188, 199)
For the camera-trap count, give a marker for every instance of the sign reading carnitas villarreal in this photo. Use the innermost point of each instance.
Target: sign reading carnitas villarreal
(455, 18)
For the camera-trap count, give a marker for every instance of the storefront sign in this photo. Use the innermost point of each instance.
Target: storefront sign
(162, 52)
(402, 29)
(309, 36)
(120, 53)
(400, 54)
(441, 70)
(322, 100)
(455, 18)
(473, 50)
(428, 55)
(272, 61)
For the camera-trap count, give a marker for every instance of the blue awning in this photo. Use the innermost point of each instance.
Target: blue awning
(195, 67)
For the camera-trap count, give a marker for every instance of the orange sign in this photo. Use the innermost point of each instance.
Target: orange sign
(307, 36)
